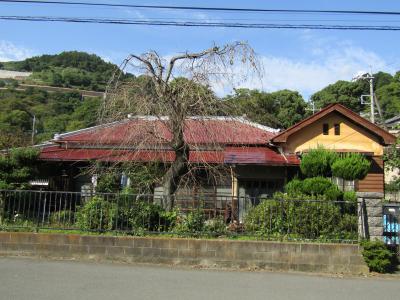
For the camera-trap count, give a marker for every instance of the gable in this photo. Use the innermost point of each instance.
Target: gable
(353, 137)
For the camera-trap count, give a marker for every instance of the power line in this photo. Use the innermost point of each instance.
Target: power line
(198, 24)
(226, 9)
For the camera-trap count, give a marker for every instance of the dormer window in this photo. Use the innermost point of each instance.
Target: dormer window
(325, 129)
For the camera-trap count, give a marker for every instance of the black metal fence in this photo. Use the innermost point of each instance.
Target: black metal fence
(194, 215)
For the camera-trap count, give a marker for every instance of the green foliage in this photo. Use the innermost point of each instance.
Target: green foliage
(377, 256)
(108, 183)
(343, 92)
(193, 223)
(55, 113)
(318, 187)
(306, 219)
(351, 166)
(387, 89)
(350, 196)
(97, 214)
(18, 166)
(392, 155)
(62, 218)
(69, 69)
(144, 216)
(216, 226)
(318, 162)
(278, 109)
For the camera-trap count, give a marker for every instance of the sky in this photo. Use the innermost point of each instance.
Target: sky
(303, 60)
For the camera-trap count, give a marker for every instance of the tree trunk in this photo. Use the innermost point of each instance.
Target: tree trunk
(174, 174)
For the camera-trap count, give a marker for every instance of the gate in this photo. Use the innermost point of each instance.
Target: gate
(391, 224)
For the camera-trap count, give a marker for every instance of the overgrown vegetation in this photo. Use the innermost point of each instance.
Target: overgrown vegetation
(54, 113)
(17, 167)
(378, 257)
(303, 217)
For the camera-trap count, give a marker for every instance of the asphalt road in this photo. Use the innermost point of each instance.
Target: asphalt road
(58, 280)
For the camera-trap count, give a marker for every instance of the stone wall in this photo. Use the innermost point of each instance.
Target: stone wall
(310, 257)
(370, 215)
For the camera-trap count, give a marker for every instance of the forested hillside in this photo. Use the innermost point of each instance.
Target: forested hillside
(60, 112)
(67, 69)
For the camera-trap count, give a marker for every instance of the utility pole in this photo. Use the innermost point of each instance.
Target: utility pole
(370, 78)
(313, 107)
(33, 129)
(371, 93)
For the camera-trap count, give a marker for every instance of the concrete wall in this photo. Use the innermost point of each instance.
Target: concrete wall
(310, 257)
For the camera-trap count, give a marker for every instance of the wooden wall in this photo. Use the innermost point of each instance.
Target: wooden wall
(374, 181)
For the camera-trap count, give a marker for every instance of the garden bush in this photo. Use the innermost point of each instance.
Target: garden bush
(351, 166)
(216, 226)
(377, 256)
(318, 162)
(97, 214)
(63, 218)
(350, 196)
(146, 216)
(191, 224)
(319, 187)
(305, 218)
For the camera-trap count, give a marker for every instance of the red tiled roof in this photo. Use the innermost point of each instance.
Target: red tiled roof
(239, 142)
(197, 131)
(231, 155)
(56, 153)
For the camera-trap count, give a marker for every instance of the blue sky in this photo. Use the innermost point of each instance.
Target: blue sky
(303, 60)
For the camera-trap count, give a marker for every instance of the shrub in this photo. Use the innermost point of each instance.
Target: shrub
(294, 187)
(350, 196)
(318, 162)
(297, 218)
(193, 223)
(108, 183)
(352, 166)
(145, 216)
(377, 256)
(316, 186)
(62, 217)
(216, 226)
(97, 214)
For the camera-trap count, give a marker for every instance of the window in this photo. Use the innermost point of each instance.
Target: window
(325, 129)
(337, 129)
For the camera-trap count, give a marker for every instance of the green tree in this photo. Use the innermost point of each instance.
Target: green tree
(318, 162)
(343, 92)
(351, 166)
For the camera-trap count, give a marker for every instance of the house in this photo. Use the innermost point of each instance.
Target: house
(259, 159)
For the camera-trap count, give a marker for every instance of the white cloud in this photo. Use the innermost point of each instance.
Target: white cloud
(329, 61)
(10, 51)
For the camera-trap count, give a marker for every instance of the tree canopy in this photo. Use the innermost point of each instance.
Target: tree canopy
(279, 109)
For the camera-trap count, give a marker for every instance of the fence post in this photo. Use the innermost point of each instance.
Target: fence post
(370, 215)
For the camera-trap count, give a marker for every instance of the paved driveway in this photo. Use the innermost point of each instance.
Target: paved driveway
(58, 280)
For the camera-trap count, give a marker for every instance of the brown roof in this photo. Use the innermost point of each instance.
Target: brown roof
(386, 137)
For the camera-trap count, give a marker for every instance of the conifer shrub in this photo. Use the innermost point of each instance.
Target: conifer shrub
(318, 162)
(351, 166)
(377, 256)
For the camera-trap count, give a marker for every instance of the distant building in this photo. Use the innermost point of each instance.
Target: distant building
(5, 74)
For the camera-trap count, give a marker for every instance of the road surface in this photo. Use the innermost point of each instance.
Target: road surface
(41, 279)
